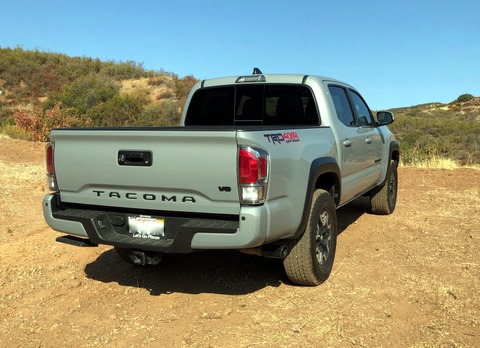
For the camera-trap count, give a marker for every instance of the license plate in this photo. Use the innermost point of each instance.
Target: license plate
(146, 227)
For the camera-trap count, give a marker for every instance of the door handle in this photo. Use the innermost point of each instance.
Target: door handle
(347, 143)
(368, 140)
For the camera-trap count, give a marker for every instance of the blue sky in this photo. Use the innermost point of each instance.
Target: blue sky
(396, 53)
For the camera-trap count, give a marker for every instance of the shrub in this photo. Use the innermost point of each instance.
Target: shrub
(121, 110)
(85, 93)
(39, 123)
(170, 113)
(464, 98)
(183, 87)
(29, 122)
(5, 111)
(151, 115)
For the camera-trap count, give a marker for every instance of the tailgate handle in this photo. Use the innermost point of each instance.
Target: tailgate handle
(135, 158)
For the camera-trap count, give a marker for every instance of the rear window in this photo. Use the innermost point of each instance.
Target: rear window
(252, 105)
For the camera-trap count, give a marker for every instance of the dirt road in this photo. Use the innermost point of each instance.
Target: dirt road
(411, 279)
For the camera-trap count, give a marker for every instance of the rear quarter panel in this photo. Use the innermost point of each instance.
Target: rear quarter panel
(290, 163)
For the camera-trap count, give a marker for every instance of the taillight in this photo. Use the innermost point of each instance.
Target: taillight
(252, 175)
(51, 180)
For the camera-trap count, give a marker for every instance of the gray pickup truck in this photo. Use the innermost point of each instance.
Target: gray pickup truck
(260, 163)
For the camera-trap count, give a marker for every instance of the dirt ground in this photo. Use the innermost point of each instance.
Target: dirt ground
(411, 279)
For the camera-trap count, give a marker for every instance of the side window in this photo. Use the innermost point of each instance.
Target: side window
(364, 117)
(342, 106)
(289, 104)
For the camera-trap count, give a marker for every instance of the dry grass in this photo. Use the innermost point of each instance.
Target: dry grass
(11, 131)
(437, 163)
(154, 89)
(21, 171)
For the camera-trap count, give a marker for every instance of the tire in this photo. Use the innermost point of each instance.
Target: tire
(383, 199)
(129, 256)
(311, 256)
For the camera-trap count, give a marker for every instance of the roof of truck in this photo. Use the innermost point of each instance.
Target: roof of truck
(266, 78)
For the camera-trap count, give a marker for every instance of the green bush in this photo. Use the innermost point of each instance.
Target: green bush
(464, 98)
(170, 114)
(151, 115)
(6, 112)
(85, 93)
(121, 110)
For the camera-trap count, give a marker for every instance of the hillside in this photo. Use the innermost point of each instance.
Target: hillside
(41, 90)
(28, 77)
(436, 130)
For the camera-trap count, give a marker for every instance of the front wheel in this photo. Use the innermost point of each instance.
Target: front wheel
(311, 256)
(383, 199)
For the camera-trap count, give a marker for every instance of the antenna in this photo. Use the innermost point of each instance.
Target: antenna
(256, 71)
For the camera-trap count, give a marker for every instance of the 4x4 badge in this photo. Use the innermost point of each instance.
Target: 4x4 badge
(287, 137)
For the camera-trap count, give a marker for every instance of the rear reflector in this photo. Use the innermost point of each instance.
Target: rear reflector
(51, 180)
(49, 159)
(263, 164)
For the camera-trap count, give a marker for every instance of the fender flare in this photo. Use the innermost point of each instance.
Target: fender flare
(394, 147)
(319, 167)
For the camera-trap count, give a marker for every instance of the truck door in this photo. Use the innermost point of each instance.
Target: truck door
(372, 140)
(357, 139)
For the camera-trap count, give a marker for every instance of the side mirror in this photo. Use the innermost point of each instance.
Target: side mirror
(385, 118)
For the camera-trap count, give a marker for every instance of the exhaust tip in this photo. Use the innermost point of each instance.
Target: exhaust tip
(275, 251)
(270, 251)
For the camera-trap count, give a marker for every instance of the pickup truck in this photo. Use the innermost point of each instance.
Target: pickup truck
(259, 163)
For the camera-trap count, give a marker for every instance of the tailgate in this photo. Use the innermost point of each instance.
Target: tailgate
(191, 171)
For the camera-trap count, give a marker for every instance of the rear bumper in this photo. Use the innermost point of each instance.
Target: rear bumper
(50, 204)
(183, 233)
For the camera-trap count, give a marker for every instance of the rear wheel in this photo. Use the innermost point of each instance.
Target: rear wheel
(383, 199)
(311, 256)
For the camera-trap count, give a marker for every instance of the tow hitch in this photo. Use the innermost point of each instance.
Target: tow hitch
(143, 258)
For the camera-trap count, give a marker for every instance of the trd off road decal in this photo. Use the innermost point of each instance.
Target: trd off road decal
(287, 137)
